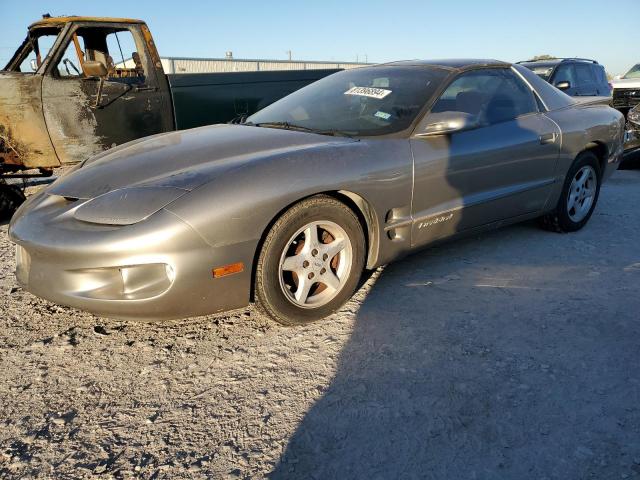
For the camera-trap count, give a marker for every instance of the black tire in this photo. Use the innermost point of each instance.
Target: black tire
(269, 295)
(11, 198)
(559, 220)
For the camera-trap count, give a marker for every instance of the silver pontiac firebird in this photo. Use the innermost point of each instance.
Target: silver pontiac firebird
(288, 208)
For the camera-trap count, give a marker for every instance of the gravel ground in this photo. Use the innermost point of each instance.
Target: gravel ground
(513, 354)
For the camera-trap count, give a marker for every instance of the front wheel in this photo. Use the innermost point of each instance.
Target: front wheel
(311, 261)
(579, 196)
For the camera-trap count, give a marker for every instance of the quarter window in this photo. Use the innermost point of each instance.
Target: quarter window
(492, 96)
(38, 46)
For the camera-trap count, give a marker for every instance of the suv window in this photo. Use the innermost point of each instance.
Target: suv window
(599, 74)
(584, 74)
(492, 95)
(565, 73)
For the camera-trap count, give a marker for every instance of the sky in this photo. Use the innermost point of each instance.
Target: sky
(375, 30)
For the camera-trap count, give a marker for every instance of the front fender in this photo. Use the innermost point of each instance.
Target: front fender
(239, 206)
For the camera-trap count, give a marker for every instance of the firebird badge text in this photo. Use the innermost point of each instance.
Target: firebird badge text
(434, 221)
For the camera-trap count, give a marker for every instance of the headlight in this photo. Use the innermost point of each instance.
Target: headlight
(128, 205)
(634, 116)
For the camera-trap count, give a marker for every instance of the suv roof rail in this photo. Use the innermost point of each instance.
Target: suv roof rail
(569, 59)
(577, 59)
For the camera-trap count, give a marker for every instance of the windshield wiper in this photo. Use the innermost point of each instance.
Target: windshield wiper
(300, 128)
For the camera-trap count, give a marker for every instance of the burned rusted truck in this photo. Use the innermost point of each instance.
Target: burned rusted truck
(80, 85)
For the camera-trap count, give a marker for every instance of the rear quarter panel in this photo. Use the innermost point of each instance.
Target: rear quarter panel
(584, 126)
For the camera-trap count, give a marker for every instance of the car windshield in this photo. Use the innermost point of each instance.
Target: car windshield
(359, 102)
(634, 72)
(33, 51)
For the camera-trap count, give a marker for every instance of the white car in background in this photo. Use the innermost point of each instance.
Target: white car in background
(626, 98)
(626, 90)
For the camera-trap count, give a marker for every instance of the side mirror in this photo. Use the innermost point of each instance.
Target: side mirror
(446, 123)
(563, 85)
(34, 64)
(94, 68)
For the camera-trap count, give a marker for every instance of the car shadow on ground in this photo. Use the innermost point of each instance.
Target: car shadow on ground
(484, 358)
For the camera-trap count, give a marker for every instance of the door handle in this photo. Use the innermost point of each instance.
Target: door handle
(145, 89)
(548, 138)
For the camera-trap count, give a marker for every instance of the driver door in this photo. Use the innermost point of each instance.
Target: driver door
(501, 169)
(133, 102)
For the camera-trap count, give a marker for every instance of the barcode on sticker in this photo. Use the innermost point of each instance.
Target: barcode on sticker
(368, 92)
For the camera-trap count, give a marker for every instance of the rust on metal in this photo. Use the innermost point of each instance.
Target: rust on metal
(24, 138)
(49, 118)
(79, 52)
(56, 21)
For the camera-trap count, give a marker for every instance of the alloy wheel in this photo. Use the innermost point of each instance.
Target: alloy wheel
(582, 193)
(315, 264)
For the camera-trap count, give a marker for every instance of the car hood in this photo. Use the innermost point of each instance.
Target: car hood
(185, 159)
(626, 83)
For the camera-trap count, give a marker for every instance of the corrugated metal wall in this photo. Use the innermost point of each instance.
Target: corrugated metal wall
(216, 65)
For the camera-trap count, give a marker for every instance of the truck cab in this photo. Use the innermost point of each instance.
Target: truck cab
(79, 85)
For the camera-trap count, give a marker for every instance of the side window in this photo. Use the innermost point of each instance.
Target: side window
(492, 96)
(69, 64)
(565, 73)
(600, 74)
(124, 60)
(116, 49)
(583, 74)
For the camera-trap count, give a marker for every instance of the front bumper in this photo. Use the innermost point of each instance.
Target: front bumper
(157, 269)
(625, 99)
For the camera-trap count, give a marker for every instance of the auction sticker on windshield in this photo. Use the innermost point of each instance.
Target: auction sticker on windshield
(368, 92)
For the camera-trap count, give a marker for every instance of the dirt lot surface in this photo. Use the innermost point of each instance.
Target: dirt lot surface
(513, 354)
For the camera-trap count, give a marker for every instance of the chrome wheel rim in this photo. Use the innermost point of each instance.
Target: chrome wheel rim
(315, 264)
(582, 193)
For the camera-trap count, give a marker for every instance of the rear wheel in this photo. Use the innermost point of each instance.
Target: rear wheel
(310, 262)
(11, 198)
(579, 196)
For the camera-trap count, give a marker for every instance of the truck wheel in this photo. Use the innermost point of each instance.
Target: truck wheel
(311, 261)
(579, 196)
(11, 198)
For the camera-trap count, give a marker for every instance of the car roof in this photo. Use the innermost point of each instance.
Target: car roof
(452, 63)
(552, 62)
(56, 21)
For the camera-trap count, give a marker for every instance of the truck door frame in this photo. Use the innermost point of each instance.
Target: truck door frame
(115, 120)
